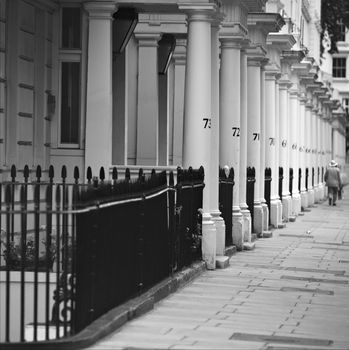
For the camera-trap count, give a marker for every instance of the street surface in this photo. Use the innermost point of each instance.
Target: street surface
(290, 292)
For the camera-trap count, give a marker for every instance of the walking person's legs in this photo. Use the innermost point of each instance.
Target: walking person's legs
(330, 195)
(335, 192)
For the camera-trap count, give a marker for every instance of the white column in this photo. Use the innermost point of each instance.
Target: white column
(262, 153)
(277, 154)
(270, 142)
(294, 130)
(99, 114)
(230, 127)
(214, 162)
(253, 135)
(197, 113)
(147, 99)
(302, 154)
(308, 130)
(179, 58)
(243, 149)
(284, 85)
(314, 152)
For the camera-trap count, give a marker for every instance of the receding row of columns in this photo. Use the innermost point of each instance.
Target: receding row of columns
(241, 108)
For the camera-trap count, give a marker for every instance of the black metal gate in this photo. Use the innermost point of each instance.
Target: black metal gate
(281, 177)
(267, 187)
(226, 184)
(251, 179)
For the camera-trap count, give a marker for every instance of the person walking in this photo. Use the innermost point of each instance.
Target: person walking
(333, 181)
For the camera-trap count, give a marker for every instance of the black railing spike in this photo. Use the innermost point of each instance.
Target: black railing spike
(51, 173)
(89, 174)
(202, 172)
(13, 173)
(76, 174)
(231, 173)
(127, 174)
(26, 173)
(102, 174)
(38, 173)
(140, 173)
(171, 179)
(153, 173)
(64, 173)
(115, 173)
(179, 174)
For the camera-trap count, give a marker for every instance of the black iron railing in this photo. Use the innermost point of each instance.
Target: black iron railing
(226, 185)
(250, 181)
(281, 177)
(299, 179)
(72, 251)
(312, 176)
(291, 181)
(267, 187)
(306, 178)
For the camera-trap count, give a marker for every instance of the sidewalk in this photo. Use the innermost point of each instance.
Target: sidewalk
(290, 292)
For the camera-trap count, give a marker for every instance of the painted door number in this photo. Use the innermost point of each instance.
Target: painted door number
(207, 123)
(236, 131)
(256, 136)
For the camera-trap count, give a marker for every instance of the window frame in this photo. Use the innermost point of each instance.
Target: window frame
(67, 55)
(339, 68)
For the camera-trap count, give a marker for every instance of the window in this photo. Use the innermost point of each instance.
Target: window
(70, 102)
(71, 28)
(339, 67)
(70, 77)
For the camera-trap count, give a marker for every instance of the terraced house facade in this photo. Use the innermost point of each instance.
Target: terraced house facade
(167, 83)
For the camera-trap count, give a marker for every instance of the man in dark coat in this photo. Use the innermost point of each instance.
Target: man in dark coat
(333, 182)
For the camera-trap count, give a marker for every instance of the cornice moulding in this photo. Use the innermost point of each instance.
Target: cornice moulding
(280, 40)
(269, 22)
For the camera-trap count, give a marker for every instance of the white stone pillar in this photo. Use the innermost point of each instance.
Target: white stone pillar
(147, 99)
(302, 153)
(179, 58)
(243, 149)
(284, 85)
(198, 114)
(214, 162)
(308, 151)
(230, 127)
(253, 135)
(277, 153)
(314, 152)
(99, 113)
(270, 144)
(262, 154)
(294, 130)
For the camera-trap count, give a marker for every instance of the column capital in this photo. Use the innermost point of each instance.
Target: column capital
(100, 9)
(284, 83)
(201, 12)
(233, 31)
(148, 39)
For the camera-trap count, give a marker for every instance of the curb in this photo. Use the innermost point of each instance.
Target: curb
(118, 316)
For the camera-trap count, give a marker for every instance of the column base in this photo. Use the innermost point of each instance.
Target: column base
(311, 197)
(258, 219)
(316, 194)
(247, 226)
(265, 217)
(286, 207)
(321, 192)
(304, 199)
(208, 245)
(274, 213)
(220, 232)
(238, 230)
(281, 224)
(296, 204)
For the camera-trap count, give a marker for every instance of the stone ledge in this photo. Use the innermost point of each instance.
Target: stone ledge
(292, 218)
(249, 245)
(116, 317)
(222, 261)
(230, 251)
(267, 234)
(283, 225)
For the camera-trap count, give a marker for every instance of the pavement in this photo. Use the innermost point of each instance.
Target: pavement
(290, 292)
